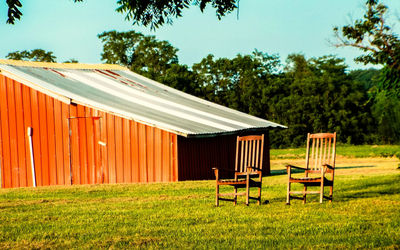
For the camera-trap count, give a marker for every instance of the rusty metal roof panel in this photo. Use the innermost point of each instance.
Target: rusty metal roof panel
(117, 90)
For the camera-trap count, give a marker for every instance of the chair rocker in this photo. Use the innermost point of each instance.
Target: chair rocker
(319, 170)
(248, 170)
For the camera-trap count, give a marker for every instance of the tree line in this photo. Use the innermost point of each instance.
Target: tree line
(306, 94)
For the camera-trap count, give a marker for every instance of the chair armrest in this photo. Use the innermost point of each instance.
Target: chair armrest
(254, 171)
(217, 172)
(224, 169)
(253, 168)
(291, 166)
(245, 174)
(328, 166)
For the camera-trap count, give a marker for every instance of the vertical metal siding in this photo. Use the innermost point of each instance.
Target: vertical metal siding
(66, 143)
(197, 156)
(6, 166)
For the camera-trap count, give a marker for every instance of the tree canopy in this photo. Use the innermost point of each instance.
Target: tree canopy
(153, 13)
(372, 35)
(316, 94)
(306, 94)
(38, 55)
(142, 54)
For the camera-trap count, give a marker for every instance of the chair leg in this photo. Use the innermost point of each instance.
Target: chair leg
(217, 196)
(330, 193)
(259, 196)
(304, 194)
(288, 194)
(321, 197)
(247, 193)
(235, 198)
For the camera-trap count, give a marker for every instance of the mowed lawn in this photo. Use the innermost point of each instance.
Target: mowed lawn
(365, 213)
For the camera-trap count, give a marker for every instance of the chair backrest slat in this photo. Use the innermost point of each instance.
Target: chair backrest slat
(261, 146)
(257, 154)
(249, 152)
(329, 149)
(241, 157)
(324, 141)
(237, 156)
(316, 142)
(322, 151)
(245, 155)
(253, 157)
(308, 149)
(312, 153)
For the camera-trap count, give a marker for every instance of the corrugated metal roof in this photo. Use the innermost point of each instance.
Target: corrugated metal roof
(115, 89)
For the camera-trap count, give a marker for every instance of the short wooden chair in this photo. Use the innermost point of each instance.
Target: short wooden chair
(319, 165)
(248, 165)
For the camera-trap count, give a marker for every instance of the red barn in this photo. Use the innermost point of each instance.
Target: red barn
(64, 124)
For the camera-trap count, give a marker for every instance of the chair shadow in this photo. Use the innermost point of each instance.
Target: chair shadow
(283, 172)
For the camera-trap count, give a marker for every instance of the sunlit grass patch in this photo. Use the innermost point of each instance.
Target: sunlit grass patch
(364, 214)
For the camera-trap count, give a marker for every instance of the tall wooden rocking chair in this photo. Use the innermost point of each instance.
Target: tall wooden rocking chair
(248, 169)
(320, 167)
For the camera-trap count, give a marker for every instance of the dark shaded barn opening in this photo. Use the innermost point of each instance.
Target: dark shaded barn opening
(197, 156)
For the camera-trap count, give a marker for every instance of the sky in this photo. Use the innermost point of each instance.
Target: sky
(279, 27)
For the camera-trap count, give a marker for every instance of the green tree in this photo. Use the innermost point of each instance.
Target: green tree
(182, 78)
(237, 83)
(321, 97)
(38, 55)
(72, 60)
(372, 35)
(368, 77)
(153, 13)
(142, 54)
(147, 56)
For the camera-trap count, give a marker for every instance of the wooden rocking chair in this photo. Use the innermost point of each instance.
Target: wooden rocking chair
(248, 165)
(319, 165)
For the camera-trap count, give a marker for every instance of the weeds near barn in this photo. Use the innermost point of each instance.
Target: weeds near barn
(364, 214)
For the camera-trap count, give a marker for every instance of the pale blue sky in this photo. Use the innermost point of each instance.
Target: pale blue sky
(273, 26)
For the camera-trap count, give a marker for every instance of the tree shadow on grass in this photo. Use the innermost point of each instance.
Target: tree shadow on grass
(296, 171)
(350, 167)
(369, 188)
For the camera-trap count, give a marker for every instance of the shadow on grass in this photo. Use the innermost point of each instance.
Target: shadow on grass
(296, 171)
(283, 172)
(350, 167)
(371, 187)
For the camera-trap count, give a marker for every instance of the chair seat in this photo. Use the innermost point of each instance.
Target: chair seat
(301, 179)
(232, 182)
(311, 181)
(244, 174)
(239, 183)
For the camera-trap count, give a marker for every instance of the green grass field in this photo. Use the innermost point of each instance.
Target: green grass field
(362, 151)
(365, 213)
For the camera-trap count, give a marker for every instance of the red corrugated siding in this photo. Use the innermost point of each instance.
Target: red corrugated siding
(66, 143)
(197, 156)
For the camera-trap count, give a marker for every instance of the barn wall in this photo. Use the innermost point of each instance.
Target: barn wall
(74, 144)
(197, 156)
